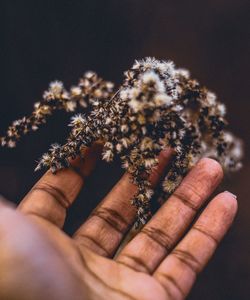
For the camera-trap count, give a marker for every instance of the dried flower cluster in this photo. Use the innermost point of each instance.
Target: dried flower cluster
(90, 88)
(156, 107)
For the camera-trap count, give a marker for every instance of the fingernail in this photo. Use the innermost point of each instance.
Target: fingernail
(231, 194)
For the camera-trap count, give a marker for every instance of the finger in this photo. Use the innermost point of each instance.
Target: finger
(107, 224)
(178, 272)
(146, 251)
(53, 194)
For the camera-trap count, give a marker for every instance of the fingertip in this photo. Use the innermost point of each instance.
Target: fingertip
(230, 201)
(227, 202)
(212, 165)
(85, 166)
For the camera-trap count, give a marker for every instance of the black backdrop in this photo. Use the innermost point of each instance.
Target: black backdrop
(46, 40)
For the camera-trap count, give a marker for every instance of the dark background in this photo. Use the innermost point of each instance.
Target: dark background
(46, 40)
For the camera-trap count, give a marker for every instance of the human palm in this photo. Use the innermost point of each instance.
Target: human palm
(39, 261)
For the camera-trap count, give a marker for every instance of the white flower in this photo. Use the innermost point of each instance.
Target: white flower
(211, 98)
(150, 162)
(118, 148)
(56, 87)
(48, 95)
(109, 85)
(85, 83)
(162, 99)
(83, 103)
(147, 63)
(125, 165)
(77, 120)
(237, 151)
(89, 74)
(125, 142)
(222, 109)
(34, 127)
(55, 147)
(108, 145)
(136, 64)
(108, 155)
(149, 193)
(75, 91)
(46, 158)
(183, 72)
(70, 105)
(11, 144)
(135, 105)
(133, 92)
(177, 108)
(150, 77)
(156, 116)
(124, 128)
(108, 120)
(228, 137)
(144, 130)
(146, 144)
(124, 94)
(166, 68)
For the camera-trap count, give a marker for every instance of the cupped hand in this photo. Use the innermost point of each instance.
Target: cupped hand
(39, 261)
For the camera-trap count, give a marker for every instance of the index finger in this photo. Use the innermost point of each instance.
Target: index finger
(53, 194)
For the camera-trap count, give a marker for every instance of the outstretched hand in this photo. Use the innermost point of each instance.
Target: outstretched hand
(39, 261)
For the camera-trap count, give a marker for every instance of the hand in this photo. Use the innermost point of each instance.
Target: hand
(39, 261)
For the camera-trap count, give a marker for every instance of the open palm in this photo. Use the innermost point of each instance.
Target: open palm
(39, 261)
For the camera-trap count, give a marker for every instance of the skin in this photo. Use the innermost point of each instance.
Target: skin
(39, 261)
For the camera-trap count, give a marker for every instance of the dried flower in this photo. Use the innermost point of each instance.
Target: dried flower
(90, 88)
(156, 107)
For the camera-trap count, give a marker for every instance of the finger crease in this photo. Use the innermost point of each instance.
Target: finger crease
(180, 196)
(188, 259)
(81, 237)
(35, 214)
(171, 279)
(206, 233)
(113, 218)
(136, 261)
(158, 236)
(54, 192)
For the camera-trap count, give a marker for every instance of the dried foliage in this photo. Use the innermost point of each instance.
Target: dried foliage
(156, 107)
(90, 88)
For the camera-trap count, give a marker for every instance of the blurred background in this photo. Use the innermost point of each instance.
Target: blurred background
(46, 40)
